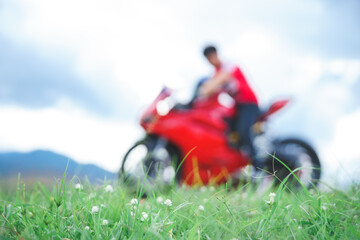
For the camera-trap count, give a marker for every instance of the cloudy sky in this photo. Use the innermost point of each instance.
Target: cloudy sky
(75, 75)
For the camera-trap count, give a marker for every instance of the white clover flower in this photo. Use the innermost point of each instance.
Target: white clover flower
(92, 195)
(87, 228)
(105, 222)
(95, 209)
(201, 208)
(159, 200)
(134, 201)
(272, 199)
(323, 207)
(144, 216)
(203, 189)
(78, 186)
(168, 202)
(272, 196)
(109, 188)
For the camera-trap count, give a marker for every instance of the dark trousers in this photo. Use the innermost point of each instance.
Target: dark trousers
(246, 116)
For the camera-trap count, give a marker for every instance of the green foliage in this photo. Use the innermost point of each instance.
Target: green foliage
(85, 211)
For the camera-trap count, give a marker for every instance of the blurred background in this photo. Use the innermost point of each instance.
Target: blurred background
(76, 75)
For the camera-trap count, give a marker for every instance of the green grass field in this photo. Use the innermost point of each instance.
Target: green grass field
(112, 211)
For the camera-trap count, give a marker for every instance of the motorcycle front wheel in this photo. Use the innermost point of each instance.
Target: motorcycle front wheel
(152, 162)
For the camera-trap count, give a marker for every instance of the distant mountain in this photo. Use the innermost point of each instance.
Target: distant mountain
(45, 164)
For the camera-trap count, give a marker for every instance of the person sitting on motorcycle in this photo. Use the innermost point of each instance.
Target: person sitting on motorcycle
(247, 110)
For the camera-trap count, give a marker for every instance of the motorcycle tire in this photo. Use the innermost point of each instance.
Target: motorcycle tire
(146, 161)
(295, 153)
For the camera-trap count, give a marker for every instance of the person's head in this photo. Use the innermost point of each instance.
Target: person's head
(211, 55)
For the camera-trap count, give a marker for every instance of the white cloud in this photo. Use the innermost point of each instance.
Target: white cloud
(345, 144)
(72, 132)
(342, 155)
(116, 44)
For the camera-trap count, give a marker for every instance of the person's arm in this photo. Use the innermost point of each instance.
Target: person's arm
(215, 83)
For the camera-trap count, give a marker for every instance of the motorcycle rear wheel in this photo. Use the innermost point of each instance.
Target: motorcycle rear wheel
(296, 154)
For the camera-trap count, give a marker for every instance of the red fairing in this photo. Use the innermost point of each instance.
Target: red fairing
(200, 133)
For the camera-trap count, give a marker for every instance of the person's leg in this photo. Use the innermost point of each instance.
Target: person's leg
(247, 115)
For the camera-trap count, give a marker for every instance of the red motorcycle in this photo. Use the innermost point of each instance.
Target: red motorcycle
(194, 145)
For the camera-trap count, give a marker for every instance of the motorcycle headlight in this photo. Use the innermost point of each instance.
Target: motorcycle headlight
(164, 106)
